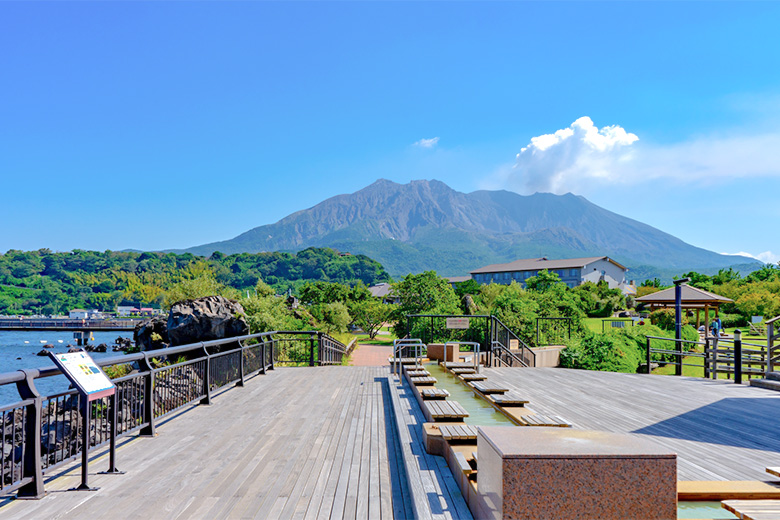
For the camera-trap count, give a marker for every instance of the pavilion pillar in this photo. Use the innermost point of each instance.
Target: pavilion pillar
(698, 316)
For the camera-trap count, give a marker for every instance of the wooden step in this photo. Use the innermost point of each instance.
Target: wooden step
(443, 410)
(473, 377)
(753, 509)
(434, 393)
(404, 361)
(456, 364)
(418, 372)
(489, 388)
(768, 384)
(774, 471)
(458, 432)
(425, 380)
(508, 399)
(460, 371)
(543, 420)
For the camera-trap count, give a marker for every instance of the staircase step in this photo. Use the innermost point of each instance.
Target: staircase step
(769, 384)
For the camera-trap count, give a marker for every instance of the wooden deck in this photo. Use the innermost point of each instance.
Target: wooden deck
(296, 443)
(720, 431)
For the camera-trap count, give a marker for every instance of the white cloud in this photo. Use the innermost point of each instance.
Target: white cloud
(427, 143)
(562, 161)
(768, 257)
(583, 157)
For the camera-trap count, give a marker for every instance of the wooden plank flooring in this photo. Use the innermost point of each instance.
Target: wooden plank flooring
(429, 477)
(296, 443)
(720, 431)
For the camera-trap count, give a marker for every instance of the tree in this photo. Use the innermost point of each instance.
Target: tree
(470, 286)
(543, 281)
(370, 315)
(424, 293)
(333, 317)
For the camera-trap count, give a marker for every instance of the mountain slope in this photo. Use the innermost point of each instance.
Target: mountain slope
(427, 225)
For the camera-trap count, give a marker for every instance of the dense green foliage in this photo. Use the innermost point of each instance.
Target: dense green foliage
(620, 350)
(42, 282)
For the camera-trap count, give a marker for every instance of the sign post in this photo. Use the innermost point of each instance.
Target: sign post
(92, 384)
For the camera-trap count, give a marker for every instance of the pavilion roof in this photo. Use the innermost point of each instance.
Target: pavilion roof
(690, 295)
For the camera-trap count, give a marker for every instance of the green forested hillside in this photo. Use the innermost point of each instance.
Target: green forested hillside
(43, 282)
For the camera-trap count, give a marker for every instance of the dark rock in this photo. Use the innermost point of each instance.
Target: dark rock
(157, 326)
(48, 345)
(89, 348)
(74, 349)
(101, 348)
(204, 319)
(43, 353)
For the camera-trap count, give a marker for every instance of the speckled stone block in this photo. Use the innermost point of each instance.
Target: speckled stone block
(564, 473)
(437, 352)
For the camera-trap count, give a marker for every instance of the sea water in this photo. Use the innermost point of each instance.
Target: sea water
(19, 350)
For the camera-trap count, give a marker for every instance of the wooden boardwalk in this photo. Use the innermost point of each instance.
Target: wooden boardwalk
(296, 443)
(720, 431)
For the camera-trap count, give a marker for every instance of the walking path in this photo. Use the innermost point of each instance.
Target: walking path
(371, 356)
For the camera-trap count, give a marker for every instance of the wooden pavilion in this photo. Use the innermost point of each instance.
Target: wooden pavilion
(692, 298)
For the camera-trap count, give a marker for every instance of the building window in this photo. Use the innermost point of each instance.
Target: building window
(574, 272)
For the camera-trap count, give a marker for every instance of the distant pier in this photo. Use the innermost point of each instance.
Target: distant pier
(67, 324)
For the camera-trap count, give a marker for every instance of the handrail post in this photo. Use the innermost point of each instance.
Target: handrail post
(738, 357)
(148, 430)
(241, 352)
(311, 350)
(706, 357)
(648, 356)
(207, 379)
(31, 462)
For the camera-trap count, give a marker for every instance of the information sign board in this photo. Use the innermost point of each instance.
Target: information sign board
(81, 370)
(457, 323)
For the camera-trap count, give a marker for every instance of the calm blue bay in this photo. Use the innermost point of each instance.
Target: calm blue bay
(19, 350)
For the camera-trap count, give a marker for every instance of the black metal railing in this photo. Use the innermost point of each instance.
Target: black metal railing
(40, 433)
(510, 341)
(504, 357)
(484, 329)
(552, 331)
(735, 358)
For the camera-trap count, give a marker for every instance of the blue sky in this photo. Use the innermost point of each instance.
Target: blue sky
(152, 125)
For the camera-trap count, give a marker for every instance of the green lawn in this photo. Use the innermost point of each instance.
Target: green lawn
(594, 324)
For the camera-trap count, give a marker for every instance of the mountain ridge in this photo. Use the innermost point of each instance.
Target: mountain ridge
(420, 225)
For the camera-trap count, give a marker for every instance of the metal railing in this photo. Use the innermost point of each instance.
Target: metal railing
(504, 336)
(482, 328)
(502, 356)
(404, 348)
(42, 432)
(552, 331)
(475, 348)
(719, 356)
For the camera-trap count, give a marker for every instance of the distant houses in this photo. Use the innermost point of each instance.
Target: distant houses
(131, 310)
(83, 314)
(384, 291)
(571, 271)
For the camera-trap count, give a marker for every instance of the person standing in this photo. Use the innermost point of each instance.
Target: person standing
(715, 328)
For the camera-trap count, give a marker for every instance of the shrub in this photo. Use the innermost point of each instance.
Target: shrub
(613, 352)
(622, 350)
(664, 318)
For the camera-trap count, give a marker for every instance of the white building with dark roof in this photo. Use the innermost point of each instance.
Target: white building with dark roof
(571, 271)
